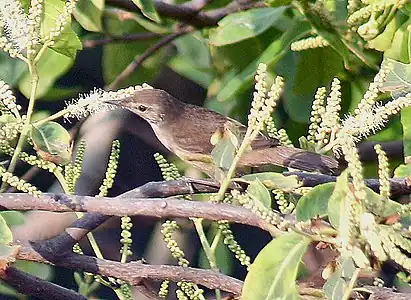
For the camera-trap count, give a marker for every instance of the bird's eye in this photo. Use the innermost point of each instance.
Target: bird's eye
(142, 108)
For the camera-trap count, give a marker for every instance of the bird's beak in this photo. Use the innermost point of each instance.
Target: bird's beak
(120, 102)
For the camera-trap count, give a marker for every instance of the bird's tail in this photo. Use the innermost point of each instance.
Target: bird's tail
(291, 158)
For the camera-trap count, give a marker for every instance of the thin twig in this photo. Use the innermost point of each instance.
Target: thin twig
(34, 286)
(188, 12)
(127, 38)
(139, 59)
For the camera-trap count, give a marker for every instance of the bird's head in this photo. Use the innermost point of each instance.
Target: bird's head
(150, 104)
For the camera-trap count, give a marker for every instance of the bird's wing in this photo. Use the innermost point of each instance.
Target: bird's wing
(199, 140)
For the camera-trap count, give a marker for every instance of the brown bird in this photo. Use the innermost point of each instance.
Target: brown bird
(187, 130)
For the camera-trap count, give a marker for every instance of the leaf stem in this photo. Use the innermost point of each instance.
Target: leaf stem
(54, 116)
(26, 125)
(210, 254)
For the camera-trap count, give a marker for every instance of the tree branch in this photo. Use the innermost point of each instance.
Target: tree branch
(153, 207)
(134, 272)
(189, 13)
(398, 186)
(139, 59)
(121, 39)
(34, 286)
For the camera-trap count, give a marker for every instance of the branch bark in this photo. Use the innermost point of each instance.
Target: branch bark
(34, 286)
(139, 59)
(153, 207)
(133, 272)
(189, 13)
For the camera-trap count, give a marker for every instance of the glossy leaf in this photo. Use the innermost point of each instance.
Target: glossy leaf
(401, 44)
(11, 69)
(6, 236)
(52, 142)
(315, 202)
(350, 53)
(147, 8)
(270, 56)
(298, 95)
(193, 59)
(47, 75)
(274, 180)
(225, 150)
(88, 13)
(259, 192)
(13, 218)
(67, 43)
(403, 171)
(274, 272)
(7, 252)
(113, 63)
(335, 286)
(398, 80)
(244, 25)
(384, 40)
(406, 129)
(336, 204)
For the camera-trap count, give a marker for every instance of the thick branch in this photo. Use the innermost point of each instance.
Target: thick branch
(34, 286)
(134, 272)
(154, 207)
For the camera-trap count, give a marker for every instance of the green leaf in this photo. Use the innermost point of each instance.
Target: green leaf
(13, 218)
(398, 80)
(335, 286)
(113, 63)
(274, 180)
(7, 253)
(147, 8)
(193, 59)
(401, 44)
(11, 69)
(406, 129)
(6, 236)
(350, 53)
(47, 75)
(224, 151)
(67, 43)
(88, 13)
(244, 25)
(336, 204)
(403, 171)
(277, 3)
(384, 40)
(259, 192)
(315, 202)
(348, 268)
(270, 56)
(52, 142)
(273, 273)
(298, 95)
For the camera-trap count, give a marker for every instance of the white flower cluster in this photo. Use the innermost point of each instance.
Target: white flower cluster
(20, 32)
(330, 116)
(7, 99)
(62, 20)
(263, 102)
(94, 102)
(373, 118)
(15, 25)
